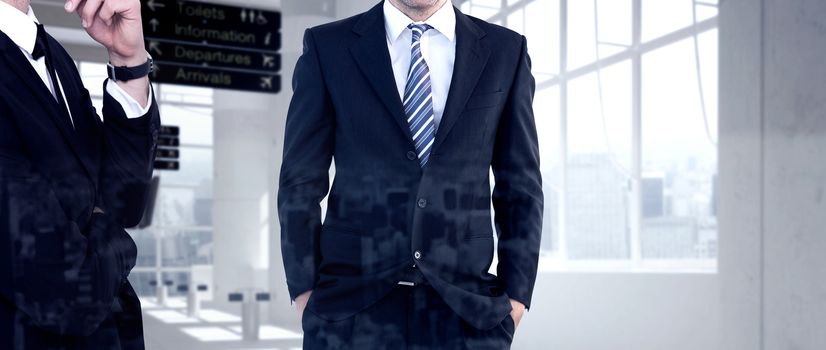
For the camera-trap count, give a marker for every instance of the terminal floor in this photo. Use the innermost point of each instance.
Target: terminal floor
(169, 328)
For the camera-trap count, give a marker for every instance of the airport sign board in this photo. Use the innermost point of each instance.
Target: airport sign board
(204, 44)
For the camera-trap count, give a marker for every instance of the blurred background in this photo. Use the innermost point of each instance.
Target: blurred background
(681, 145)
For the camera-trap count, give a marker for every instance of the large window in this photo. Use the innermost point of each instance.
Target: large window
(181, 232)
(626, 110)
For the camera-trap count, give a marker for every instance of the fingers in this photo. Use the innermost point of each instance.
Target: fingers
(71, 5)
(108, 11)
(87, 11)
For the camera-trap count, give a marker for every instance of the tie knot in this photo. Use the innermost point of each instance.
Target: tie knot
(40, 43)
(418, 29)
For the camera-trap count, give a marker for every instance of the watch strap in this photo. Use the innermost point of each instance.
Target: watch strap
(124, 73)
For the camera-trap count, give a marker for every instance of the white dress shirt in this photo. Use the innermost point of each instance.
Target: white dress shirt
(21, 28)
(438, 47)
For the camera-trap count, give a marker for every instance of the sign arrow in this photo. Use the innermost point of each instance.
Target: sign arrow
(153, 5)
(243, 15)
(153, 46)
(266, 82)
(154, 22)
(269, 61)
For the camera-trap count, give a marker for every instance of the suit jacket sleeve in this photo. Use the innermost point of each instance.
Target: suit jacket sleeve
(517, 195)
(61, 274)
(128, 159)
(304, 178)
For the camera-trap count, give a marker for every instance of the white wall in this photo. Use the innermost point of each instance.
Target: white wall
(621, 311)
(773, 174)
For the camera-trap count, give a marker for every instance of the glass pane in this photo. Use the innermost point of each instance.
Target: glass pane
(177, 278)
(546, 114)
(145, 241)
(599, 113)
(581, 33)
(516, 21)
(196, 168)
(599, 146)
(705, 11)
(195, 123)
(93, 75)
(496, 4)
(614, 29)
(542, 31)
(615, 26)
(679, 152)
(485, 9)
(183, 206)
(660, 17)
(140, 281)
(185, 94)
(182, 247)
(708, 52)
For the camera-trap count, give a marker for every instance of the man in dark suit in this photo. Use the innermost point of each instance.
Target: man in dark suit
(417, 102)
(70, 182)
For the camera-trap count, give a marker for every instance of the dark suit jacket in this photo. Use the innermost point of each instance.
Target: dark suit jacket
(383, 206)
(63, 268)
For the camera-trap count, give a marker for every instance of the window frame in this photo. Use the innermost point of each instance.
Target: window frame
(557, 259)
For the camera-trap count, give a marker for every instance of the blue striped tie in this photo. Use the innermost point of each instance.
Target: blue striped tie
(418, 98)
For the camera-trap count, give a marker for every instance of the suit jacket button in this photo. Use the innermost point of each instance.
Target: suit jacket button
(422, 203)
(411, 155)
(418, 255)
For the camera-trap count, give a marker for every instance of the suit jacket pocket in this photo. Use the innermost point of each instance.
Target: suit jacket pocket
(485, 100)
(479, 227)
(339, 228)
(344, 251)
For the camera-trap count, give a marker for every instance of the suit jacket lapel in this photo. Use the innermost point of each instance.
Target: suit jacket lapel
(84, 130)
(471, 58)
(34, 84)
(370, 52)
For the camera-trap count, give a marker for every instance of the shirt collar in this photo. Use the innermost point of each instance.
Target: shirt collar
(395, 21)
(20, 27)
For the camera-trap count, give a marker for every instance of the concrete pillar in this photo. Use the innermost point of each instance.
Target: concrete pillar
(246, 145)
(740, 179)
(242, 208)
(773, 174)
(249, 133)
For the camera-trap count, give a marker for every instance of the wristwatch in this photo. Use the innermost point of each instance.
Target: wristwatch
(129, 73)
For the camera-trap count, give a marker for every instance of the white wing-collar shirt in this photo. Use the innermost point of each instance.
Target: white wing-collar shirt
(438, 47)
(21, 28)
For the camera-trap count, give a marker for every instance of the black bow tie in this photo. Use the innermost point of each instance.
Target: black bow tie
(40, 44)
(41, 49)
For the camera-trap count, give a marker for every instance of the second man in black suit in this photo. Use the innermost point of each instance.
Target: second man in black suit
(416, 102)
(70, 181)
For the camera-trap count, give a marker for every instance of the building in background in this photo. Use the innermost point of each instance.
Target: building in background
(597, 220)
